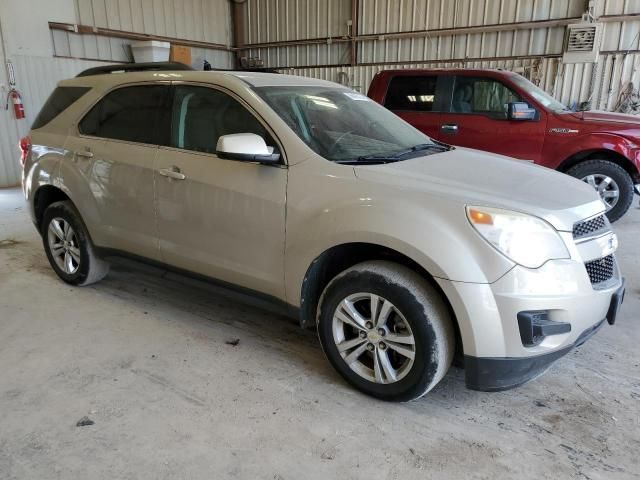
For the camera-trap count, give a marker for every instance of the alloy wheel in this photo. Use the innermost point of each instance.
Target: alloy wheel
(606, 187)
(373, 338)
(63, 244)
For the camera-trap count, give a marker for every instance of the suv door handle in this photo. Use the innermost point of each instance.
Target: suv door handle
(449, 128)
(86, 153)
(172, 172)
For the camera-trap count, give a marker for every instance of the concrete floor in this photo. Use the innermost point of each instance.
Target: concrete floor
(145, 358)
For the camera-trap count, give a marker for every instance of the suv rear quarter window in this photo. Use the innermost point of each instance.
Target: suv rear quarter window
(135, 114)
(59, 100)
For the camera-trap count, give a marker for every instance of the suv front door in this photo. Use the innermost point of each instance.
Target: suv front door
(114, 150)
(221, 218)
(477, 118)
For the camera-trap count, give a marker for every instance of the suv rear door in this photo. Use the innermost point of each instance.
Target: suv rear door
(476, 117)
(221, 218)
(416, 98)
(114, 150)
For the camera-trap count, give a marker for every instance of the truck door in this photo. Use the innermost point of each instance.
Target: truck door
(476, 117)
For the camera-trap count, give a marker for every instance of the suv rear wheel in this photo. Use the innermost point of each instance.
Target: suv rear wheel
(611, 181)
(68, 246)
(386, 330)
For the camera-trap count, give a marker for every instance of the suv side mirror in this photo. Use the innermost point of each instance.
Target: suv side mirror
(246, 147)
(520, 111)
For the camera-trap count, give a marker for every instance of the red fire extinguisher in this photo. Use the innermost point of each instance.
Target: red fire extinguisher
(16, 100)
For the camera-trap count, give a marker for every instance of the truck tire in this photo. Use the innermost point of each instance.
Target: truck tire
(386, 330)
(68, 246)
(613, 183)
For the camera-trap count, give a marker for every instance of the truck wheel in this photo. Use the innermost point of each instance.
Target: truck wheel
(611, 181)
(386, 330)
(68, 246)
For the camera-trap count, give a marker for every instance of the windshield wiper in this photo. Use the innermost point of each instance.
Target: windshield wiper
(436, 148)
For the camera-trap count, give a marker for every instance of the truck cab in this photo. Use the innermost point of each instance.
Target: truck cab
(502, 112)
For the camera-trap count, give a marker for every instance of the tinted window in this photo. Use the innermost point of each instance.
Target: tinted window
(482, 95)
(134, 114)
(411, 93)
(58, 102)
(201, 115)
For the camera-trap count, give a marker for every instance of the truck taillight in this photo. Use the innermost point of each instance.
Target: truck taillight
(25, 146)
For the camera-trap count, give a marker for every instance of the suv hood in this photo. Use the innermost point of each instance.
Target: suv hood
(480, 178)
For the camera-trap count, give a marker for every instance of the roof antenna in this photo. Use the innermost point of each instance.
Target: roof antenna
(207, 66)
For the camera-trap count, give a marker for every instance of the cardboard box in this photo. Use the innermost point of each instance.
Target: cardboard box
(180, 54)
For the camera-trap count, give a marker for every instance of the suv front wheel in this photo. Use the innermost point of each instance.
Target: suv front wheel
(386, 330)
(68, 246)
(611, 181)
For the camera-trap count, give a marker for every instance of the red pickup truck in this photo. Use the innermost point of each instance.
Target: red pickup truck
(502, 112)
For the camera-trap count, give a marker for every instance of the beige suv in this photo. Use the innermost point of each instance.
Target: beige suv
(403, 251)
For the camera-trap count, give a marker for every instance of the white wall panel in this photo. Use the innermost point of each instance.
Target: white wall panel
(29, 45)
(201, 20)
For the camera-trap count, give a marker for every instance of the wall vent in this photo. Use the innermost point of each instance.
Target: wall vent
(582, 43)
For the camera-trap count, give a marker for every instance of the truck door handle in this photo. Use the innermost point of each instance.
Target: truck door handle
(86, 153)
(449, 128)
(172, 172)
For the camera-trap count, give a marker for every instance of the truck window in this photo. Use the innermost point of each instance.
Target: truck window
(412, 93)
(482, 95)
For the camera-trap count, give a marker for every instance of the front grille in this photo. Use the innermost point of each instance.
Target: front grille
(600, 270)
(586, 228)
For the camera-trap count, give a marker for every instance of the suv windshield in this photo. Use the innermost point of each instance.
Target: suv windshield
(345, 126)
(540, 95)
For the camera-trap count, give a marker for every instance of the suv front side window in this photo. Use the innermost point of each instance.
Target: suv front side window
(201, 115)
(482, 95)
(132, 114)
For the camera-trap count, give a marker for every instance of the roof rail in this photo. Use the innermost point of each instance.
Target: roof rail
(134, 67)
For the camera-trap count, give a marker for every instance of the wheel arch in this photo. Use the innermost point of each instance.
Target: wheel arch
(600, 154)
(44, 196)
(341, 257)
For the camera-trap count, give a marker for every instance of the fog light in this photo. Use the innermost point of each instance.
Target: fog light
(535, 326)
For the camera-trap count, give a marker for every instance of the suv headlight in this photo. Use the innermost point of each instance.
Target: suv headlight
(525, 239)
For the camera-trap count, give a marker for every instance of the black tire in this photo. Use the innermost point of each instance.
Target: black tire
(423, 309)
(615, 172)
(90, 268)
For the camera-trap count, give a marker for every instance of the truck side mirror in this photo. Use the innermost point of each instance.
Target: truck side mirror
(246, 147)
(520, 111)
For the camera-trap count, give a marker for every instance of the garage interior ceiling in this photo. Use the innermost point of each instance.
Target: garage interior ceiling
(346, 41)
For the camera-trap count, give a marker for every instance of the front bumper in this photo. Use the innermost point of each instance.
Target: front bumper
(496, 356)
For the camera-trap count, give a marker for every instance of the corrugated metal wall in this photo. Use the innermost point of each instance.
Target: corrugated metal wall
(534, 52)
(282, 20)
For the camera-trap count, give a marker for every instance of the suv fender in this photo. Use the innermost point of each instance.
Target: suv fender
(428, 244)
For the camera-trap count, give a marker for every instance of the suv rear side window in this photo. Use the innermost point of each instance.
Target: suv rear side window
(412, 93)
(482, 95)
(201, 115)
(59, 100)
(133, 114)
